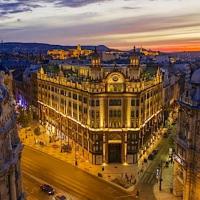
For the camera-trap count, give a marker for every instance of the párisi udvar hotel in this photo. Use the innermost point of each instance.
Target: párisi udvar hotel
(112, 114)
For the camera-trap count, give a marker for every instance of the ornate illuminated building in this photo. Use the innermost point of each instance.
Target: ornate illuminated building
(187, 157)
(10, 145)
(112, 113)
(79, 52)
(60, 54)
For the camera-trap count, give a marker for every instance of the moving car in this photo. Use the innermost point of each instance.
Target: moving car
(47, 189)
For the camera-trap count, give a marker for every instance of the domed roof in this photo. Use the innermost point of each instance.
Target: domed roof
(195, 79)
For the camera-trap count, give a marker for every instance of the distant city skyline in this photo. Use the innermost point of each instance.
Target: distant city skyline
(165, 25)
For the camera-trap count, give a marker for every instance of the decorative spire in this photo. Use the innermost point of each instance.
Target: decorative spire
(95, 49)
(134, 50)
(115, 66)
(95, 58)
(134, 59)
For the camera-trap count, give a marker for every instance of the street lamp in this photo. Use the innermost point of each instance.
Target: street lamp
(76, 139)
(160, 177)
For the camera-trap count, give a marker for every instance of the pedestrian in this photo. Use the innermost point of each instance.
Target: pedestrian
(131, 180)
(137, 194)
(126, 177)
(102, 168)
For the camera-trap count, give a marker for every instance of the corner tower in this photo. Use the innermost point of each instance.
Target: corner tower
(134, 70)
(95, 66)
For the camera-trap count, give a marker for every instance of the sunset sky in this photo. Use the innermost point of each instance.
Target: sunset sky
(169, 25)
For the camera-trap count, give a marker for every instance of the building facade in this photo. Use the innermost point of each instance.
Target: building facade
(58, 54)
(10, 145)
(112, 114)
(187, 157)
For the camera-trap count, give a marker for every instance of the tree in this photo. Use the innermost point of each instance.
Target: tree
(22, 118)
(37, 131)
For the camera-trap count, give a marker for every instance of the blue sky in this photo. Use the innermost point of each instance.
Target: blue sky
(156, 24)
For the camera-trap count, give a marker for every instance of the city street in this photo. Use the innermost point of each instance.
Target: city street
(32, 190)
(148, 180)
(67, 178)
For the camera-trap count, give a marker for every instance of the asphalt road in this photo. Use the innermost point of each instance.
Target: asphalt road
(32, 189)
(148, 180)
(69, 178)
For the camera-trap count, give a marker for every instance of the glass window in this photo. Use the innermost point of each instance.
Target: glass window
(80, 98)
(85, 110)
(92, 113)
(62, 92)
(75, 106)
(137, 102)
(75, 96)
(137, 113)
(85, 99)
(110, 113)
(92, 102)
(132, 113)
(133, 102)
(115, 102)
(97, 114)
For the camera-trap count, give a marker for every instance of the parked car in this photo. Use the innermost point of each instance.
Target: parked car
(60, 197)
(165, 135)
(66, 148)
(47, 189)
(55, 146)
(151, 156)
(145, 160)
(155, 151)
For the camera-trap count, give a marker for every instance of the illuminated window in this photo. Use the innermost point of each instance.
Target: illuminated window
(92, 102)
(115, 102)
(85, 100)
(80, 98)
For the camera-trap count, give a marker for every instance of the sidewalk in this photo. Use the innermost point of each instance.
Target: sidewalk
(165, 194)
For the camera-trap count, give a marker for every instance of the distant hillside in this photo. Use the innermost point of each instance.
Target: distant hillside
(41, 47)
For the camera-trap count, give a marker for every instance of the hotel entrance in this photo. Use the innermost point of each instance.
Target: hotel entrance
(114, 152)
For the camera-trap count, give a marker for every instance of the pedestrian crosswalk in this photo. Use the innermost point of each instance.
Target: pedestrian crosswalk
(148, 178)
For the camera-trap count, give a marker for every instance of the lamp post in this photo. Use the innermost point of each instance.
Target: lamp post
(75, 155)
(160, 179)
(60, 126)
